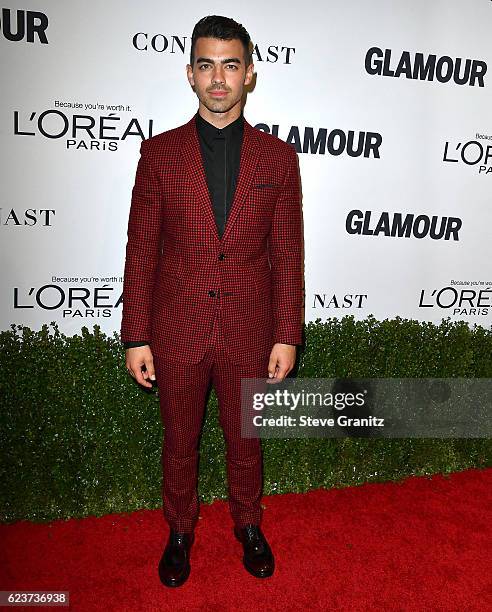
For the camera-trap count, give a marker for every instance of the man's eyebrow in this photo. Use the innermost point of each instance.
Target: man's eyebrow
(229, 60)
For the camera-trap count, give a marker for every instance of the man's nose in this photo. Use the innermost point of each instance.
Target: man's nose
(218, 74)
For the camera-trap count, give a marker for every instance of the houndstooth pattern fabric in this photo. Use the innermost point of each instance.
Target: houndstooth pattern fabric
(182, 395)
(179, 273)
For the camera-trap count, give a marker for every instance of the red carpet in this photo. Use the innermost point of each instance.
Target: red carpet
(422, 544)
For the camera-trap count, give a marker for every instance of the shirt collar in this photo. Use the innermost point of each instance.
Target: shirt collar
(208, 131)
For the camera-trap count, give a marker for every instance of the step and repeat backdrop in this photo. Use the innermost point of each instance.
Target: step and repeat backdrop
(388, 104)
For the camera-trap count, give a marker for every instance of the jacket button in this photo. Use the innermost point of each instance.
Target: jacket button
(211, 293)
(221, 256)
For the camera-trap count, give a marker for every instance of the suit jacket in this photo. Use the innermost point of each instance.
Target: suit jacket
(179, 274)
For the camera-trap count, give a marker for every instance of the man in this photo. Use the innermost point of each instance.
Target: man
(213, 285)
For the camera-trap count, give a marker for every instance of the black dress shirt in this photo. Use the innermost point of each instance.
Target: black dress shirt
(221, 153)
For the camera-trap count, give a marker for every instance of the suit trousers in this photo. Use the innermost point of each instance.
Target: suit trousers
(182, 395)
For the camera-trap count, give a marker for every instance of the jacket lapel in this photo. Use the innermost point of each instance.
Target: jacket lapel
(192, 158)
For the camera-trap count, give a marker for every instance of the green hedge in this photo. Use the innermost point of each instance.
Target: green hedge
(80, 437)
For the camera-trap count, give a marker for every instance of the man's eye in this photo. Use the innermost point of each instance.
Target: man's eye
(232, 66)
(203, 65)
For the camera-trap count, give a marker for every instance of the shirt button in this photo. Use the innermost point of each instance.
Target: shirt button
(221, 256)
(211, 293)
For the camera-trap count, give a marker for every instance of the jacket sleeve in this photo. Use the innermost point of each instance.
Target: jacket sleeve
(142, 251)
(285, 244)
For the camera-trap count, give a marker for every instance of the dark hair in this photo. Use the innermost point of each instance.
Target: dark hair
(225, 28)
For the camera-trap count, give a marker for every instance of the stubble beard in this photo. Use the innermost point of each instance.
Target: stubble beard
(217, 106)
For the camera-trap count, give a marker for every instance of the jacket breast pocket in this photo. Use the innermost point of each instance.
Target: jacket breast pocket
(263, 197)
(266, 186)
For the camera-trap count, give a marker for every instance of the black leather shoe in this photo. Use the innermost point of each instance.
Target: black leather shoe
(174, 566)
(258, 557)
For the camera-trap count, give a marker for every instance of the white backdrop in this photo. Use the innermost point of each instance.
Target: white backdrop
(66, 188)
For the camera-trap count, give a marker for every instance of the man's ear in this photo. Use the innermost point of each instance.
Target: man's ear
(189, 74)
(249, 74)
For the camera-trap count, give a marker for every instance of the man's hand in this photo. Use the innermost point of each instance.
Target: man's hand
(282, 360)
(136, 357)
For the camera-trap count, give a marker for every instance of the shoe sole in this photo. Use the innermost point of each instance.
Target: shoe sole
(256, 574)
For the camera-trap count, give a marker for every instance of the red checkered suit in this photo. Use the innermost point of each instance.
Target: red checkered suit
(178, 273)
(174, 260)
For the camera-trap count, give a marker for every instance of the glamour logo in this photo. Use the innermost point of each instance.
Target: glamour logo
(461, 301)
(336, 142)
(80, 131)
(398, 225)
(426, 67)
(471, 153)
(28, 26)
(349, 300)
(28, 216)
(161, 43)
